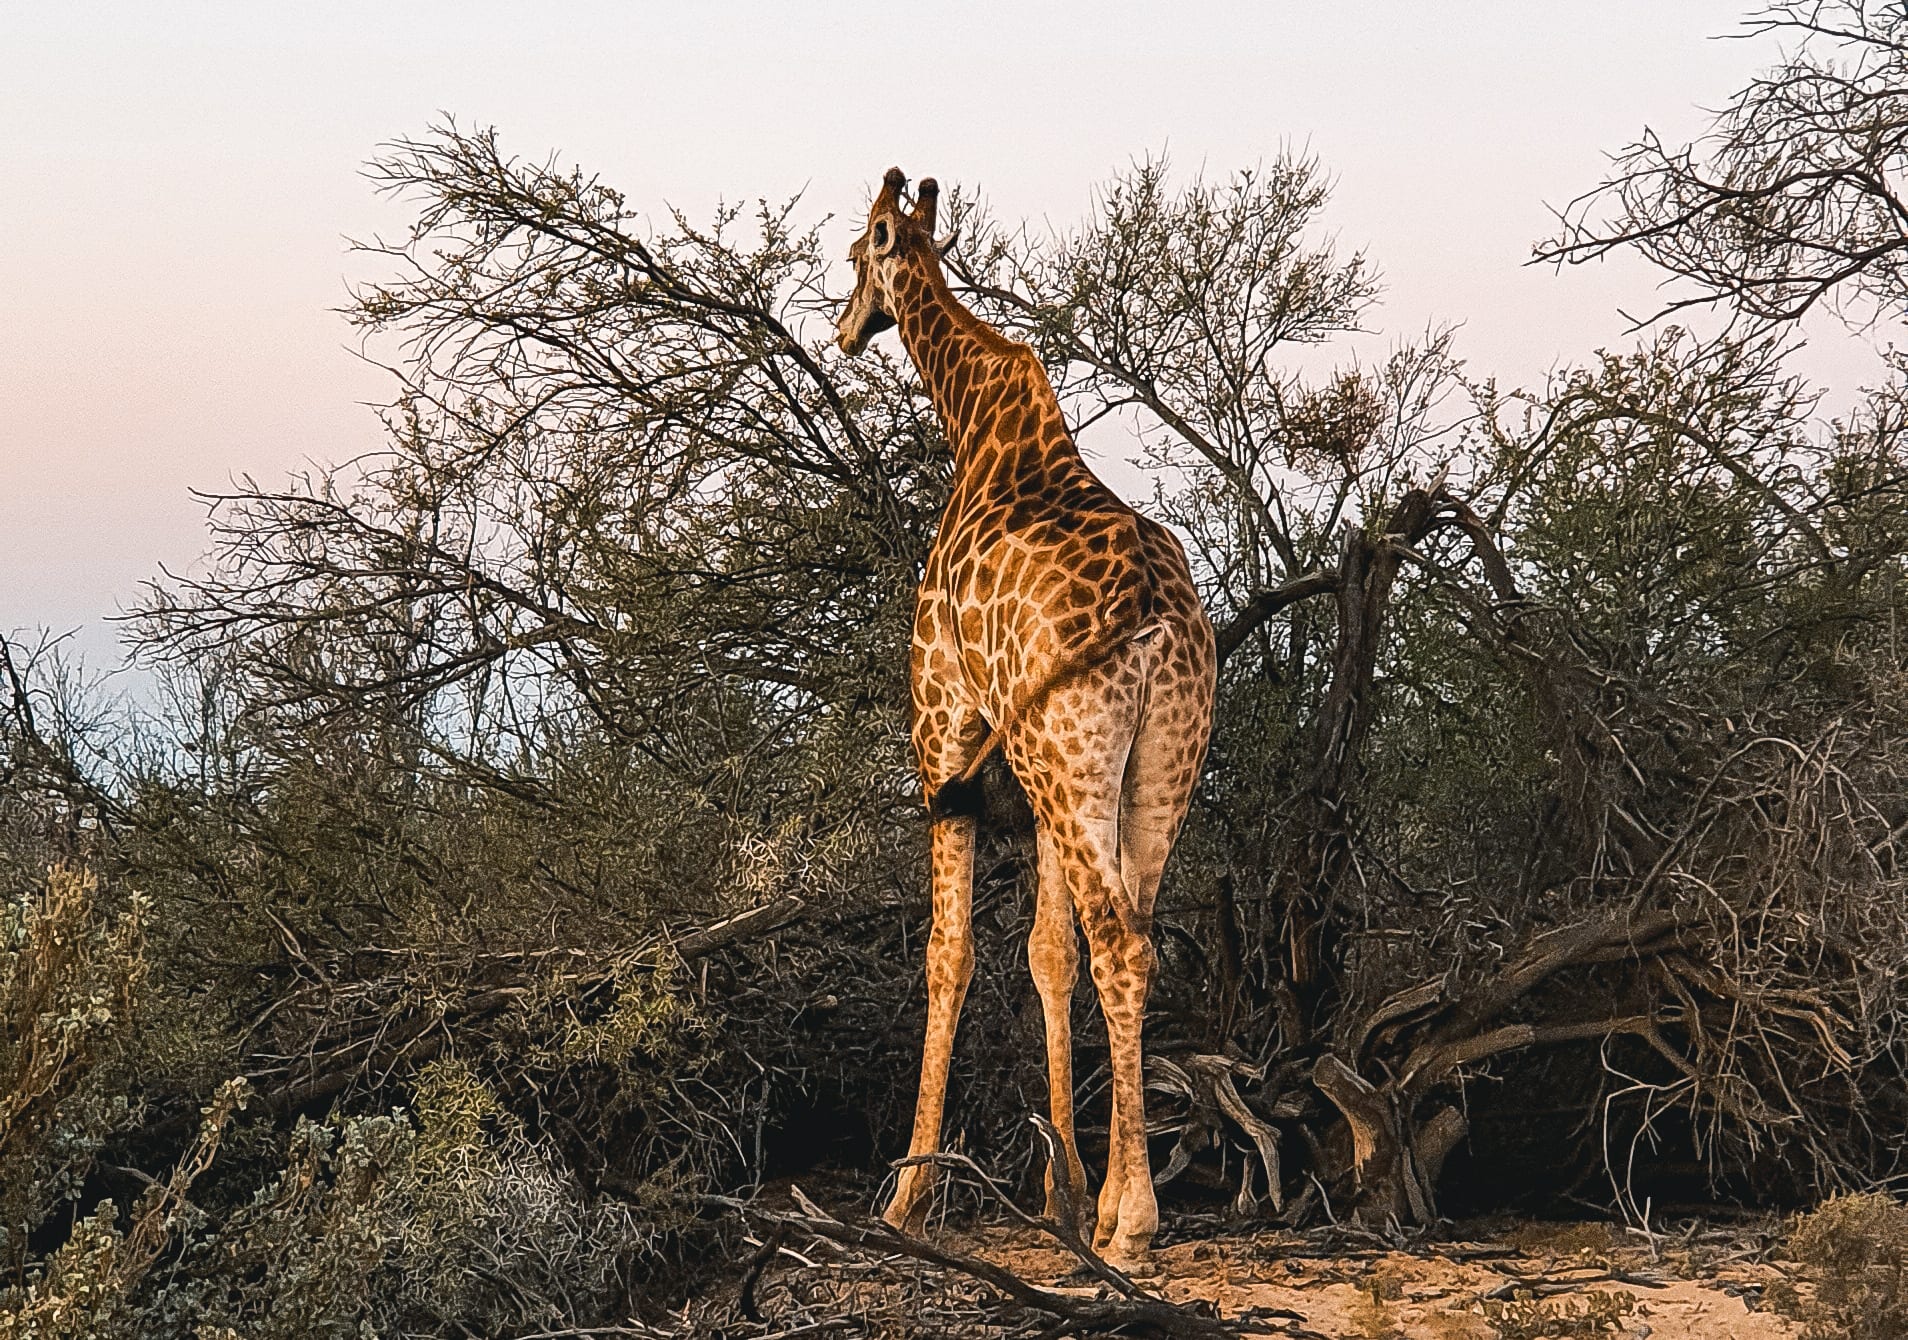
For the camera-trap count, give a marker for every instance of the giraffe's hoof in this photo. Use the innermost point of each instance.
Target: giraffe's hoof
(1134, 1259)
(911, 1220)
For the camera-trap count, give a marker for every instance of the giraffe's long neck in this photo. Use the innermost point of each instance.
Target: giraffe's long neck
(957, 354)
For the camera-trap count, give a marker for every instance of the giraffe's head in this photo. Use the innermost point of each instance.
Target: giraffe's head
(894, 239)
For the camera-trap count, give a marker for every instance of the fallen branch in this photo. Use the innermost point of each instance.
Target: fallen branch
(1395, 1157)
(1143, 1314)
(1550, 1285)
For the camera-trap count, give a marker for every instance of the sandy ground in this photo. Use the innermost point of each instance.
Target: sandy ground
(1698, 1283)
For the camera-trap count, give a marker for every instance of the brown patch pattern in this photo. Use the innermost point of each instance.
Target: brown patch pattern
(1053, 613)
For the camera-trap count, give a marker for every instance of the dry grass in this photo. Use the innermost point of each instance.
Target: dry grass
(1854, 1249)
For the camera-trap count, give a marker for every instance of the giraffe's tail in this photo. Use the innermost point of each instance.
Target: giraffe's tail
(961, 794)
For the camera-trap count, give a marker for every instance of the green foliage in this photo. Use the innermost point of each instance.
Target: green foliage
(78, 1294)
(376, 1226)
(89, 1286)
(1597, 1312)
(72, 968)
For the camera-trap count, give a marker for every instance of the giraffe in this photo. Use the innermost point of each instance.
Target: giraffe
(1058, 625)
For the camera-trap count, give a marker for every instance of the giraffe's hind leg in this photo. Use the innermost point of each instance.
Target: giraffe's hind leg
(1071, 757)
(1169, 748)
(1053, 956)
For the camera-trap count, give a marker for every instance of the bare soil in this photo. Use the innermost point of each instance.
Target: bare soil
(1702, 1282)
(1497, 1279)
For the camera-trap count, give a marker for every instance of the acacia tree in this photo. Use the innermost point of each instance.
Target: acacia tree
(1794, 199)
(624, 502)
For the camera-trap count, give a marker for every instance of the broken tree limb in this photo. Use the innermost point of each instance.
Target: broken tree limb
(1546, 955)
(1143, 1315)
(1429, 1067)
(1394, 1168)
(1262, 605)
(1208, 1083)
(1379, 1171)
(742, 926)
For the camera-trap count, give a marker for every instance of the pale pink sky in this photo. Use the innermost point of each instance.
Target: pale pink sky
(178, 181)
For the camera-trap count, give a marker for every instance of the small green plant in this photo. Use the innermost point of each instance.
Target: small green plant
(1373, 1318)
(1855, 1250)
(1527, 1317)
(86, 1289)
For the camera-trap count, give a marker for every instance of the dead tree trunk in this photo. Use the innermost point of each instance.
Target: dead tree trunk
(1388, 1072)
(1310, 878)
(1382, 1074)
(1420, 1038)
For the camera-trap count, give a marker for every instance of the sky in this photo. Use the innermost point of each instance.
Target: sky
(180, 182)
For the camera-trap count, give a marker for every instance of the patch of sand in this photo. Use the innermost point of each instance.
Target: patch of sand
(1441, 1291)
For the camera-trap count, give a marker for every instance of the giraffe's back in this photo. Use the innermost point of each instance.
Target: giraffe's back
(1031, 581)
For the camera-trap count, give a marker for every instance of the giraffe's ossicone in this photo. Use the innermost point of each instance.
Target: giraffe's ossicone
(1058, 624)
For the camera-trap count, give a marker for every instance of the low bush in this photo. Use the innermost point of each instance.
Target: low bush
(72, 963)
(1854, 1250)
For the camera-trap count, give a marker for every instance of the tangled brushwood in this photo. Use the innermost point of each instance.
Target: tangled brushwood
(521, 854)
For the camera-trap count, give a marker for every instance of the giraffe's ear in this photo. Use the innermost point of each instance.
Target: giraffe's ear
(881, 238)
(927, 197)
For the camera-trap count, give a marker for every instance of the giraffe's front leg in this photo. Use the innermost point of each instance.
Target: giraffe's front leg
(950, 963)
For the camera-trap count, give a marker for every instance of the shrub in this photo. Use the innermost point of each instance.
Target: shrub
(1855, 1250)
(1599, 1312)
(454, 1222)
(71, 968)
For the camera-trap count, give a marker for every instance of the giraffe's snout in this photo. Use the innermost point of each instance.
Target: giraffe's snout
(861, 318)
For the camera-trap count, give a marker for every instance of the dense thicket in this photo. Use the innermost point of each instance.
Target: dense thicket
(527, 844)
